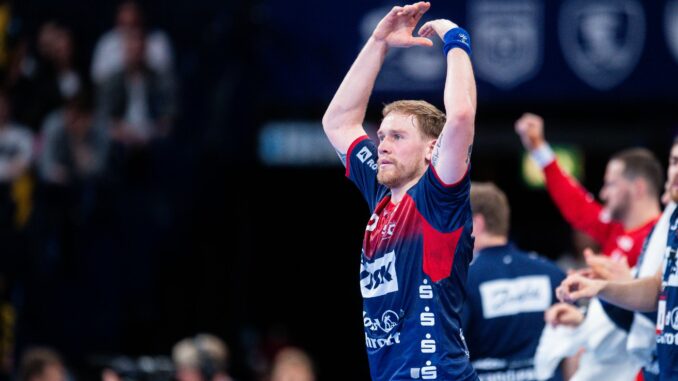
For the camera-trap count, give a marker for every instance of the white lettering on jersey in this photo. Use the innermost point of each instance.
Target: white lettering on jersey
(380, 343)
(372, 223)
(504, 297)
(379, 277)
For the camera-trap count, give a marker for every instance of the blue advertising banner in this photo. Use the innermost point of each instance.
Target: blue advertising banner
(524, 50)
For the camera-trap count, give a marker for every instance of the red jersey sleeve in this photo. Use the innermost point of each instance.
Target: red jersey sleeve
(576, 205)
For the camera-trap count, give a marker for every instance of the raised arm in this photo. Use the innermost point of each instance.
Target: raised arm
(573, 201)
(452, 153)
(344, 117)
(637, 295)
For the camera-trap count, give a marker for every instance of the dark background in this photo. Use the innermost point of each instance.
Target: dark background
(262, 255)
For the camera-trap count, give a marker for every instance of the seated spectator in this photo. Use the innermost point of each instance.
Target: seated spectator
(292, 364)
(41, 364)
(201, 358)
(109, 53)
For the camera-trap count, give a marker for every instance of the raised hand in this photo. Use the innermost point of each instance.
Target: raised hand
(530, 128)
(603, 267)
(397, 26)
(439, 27)
(576, 287)
(563, 314)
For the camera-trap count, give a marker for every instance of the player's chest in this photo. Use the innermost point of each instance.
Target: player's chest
(391, 226)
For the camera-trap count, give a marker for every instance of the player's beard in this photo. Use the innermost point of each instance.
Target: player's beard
(396, 175)
(673, 188)
(620, 212)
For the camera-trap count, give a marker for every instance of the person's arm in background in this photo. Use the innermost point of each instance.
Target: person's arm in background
(575, 203)
(637, 294)
(343, 120)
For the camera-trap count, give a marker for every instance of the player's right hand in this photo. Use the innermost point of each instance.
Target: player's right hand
(397, 26)
(604, 267)
(530, 128)
(576, 287)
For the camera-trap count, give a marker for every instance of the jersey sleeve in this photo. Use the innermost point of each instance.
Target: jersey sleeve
(361, 169)
(446, 207)
(576, 205)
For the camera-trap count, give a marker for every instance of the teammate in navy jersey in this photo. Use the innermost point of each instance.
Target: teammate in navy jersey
(508, 292)
(656, 293)
(418, 243)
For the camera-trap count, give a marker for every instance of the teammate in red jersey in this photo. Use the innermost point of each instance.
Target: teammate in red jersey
(631, 191)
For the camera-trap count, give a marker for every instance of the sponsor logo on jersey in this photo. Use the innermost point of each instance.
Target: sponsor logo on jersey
(602, 40)
(504, 297)
(375, 343)
(378, 331)
(668, 338)
(364, 154)
(372, 223)
(378, 277)
(428, 372)
(507, 40)
(388, 321)
(625, 242)
(674, 225)
(387, 230)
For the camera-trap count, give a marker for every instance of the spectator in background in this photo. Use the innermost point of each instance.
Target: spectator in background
(16, 144)
(74, 145)
(109, 53)
(139, 100)
(508, 292)
(201, 358)
(41, 364)
(292, 364)
(43, 82)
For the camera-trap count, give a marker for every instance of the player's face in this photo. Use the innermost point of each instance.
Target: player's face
(616, 191)
(672, 174)
(402, 150)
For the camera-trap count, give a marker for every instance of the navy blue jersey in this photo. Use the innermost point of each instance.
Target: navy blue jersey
(508, 292)
(413, 272)
(667, 311)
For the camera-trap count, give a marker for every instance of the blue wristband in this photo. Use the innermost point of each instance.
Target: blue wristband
(457, 38)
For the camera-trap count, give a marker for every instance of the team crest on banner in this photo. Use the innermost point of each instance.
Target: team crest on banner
(602, 40)
(671, 26)
(507, 39)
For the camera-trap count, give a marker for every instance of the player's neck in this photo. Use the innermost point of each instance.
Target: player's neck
(641, 213)
(398, 193)
(484, 241)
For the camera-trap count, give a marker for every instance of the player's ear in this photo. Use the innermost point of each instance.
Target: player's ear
(478, 224)
(429, 149)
